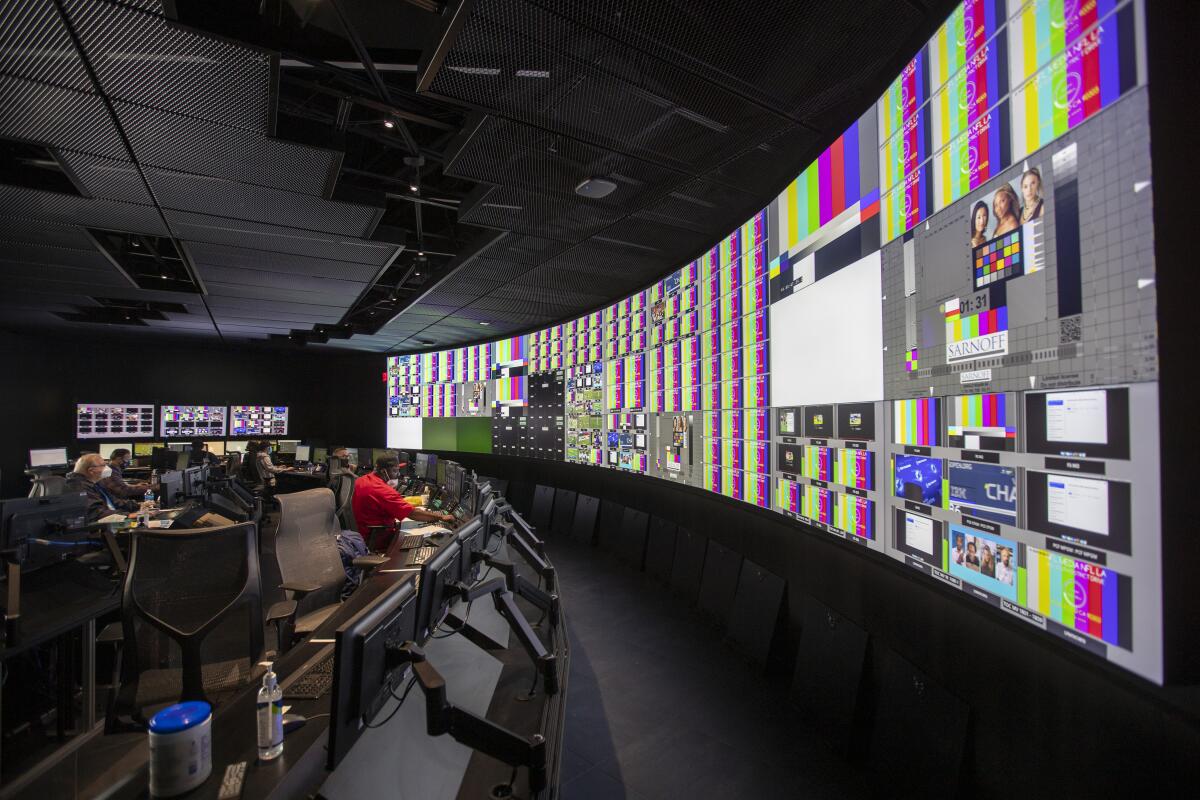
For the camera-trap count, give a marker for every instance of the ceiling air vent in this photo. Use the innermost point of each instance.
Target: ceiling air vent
(34, 166)
(152, 262)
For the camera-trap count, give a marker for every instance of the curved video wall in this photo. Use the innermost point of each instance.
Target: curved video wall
(938, 342)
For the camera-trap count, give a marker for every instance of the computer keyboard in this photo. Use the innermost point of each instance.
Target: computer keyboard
(315, 683)
(412, 541)
(423, 554)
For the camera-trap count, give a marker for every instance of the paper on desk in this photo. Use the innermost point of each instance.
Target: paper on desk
(425, 530)
(112, 518)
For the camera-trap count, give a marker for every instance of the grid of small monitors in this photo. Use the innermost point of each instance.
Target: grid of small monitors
(192, 421)
(258, 420)
(113, 421)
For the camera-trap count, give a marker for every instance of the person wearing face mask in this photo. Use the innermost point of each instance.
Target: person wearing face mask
(88, 478)
(113, 478)
(377, 504)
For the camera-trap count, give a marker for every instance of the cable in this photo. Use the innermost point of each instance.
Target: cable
(402, 698)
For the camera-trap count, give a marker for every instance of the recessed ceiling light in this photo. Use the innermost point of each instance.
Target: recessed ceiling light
(417, 274)
(164, 277)
(420, 252)
(387, 123)
(485, 323)
(413, 187)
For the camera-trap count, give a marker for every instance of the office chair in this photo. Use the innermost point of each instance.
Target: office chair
(343, 490)
(309, 563)
(191, 623)
(47, 485)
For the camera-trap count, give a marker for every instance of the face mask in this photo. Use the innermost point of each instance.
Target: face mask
(107, 473)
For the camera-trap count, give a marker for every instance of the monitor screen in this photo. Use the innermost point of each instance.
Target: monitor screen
(856, 421)
(919, 536)
(982, 421)
(918, 478)
(235, 447)
(287, 445)
(113, 420)
(818, 421)
(1090, 423)
(988, 491)
(319, 455)
(303, 452)
(106, 449)
(790, 421)
(983, 560)
(431, 467)
(1093, 511)
(145, 448)
(217, 447)
(258, 420)
(49, 457)
(193, 421)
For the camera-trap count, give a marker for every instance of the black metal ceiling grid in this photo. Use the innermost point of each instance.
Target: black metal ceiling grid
(205, 194)
(263, 237)
(107, 178)
(33, 45)
(284, 265)
(23, 231)
(32, 204)
(595, 89)
(64, 118)
(537, 214)
(140, 58)
(177, 142)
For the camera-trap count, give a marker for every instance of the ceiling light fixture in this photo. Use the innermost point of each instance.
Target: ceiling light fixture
(413, 187)
(484, 323)
(387, 123)
(421, 252)
(595, 188)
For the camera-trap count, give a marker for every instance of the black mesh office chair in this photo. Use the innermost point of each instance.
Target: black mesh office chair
(343, 490)
(309, 563)
(47, 485)
(191, 621)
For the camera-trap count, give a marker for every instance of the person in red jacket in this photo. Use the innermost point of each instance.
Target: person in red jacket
(377, 503)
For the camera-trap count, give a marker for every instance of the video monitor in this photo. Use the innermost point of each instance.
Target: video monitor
(626, 439)
(915, 422)
(987, 491)
(639, 441)
(614, 438)
(856, 421)
(918, 478)
(612, 457)
(422, 468)
(235, 447)
(1092, 511)
(106, 449)
(146, 448)
(113, 420)
(790, 458)
(216, 447)
(49, 457)
(818, 421)
(319, 455)
(1080, 595)
(983, 560)
(790, 421)
(431, 467)
(919, 537)
(639, 420)
(436, 574)
(287, 445)
(440, 473)
(1087, 423)
(362, 679)
(258, 420)
(303, 453)
(982, 421)
(192, 421)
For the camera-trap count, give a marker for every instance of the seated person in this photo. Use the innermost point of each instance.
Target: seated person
(375, 503)
(199, 455)
(265, 468)
(87, 477)
(114, 481)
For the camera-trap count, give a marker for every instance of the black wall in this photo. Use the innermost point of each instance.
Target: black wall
(331, 397)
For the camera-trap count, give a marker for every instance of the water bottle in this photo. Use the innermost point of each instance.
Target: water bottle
(149, 498)
(270, 717)
(143, 514)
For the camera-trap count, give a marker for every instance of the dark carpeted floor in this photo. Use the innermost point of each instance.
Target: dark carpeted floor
(657, 707)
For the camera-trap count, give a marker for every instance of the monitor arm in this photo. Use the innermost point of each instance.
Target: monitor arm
(12, 608)
(543, 659)
(472, 730)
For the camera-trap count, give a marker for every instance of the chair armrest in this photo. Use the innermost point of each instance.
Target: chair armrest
(368, 563)
(299, 589)
(113, 633)
(279, 611)
(283, 614)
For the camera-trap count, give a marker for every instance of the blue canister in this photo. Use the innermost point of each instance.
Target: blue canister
(180, 748)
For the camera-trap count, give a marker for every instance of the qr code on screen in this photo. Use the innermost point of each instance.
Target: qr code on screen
(1070, 329)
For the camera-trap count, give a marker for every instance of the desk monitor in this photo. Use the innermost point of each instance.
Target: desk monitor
(472, 539)
(362, 678)
(192, 421)
(216, 448)
(24, 518)
(179, 447)
(49, 457)
(431, 468)
(440, 473)
(170, 488)
(235, 447)
(146, 448)
(194, 479)
(113, 420)
(436, 573)
(303, 453)
(258, 420)
(287, 445)
(470, 496)
(422, 465)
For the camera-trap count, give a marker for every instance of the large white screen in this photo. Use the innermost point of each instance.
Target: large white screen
(827, 339)
(404, 433)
